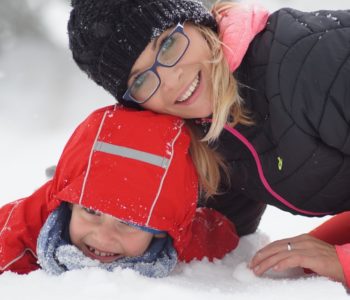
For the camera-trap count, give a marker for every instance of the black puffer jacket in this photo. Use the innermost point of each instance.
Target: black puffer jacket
(296, 83)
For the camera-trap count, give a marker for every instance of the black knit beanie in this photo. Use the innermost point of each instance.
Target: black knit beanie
(107, 36)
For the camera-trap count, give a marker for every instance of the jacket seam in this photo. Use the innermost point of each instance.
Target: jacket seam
(9, 217)
(90, 157)
(328, 91)
(155, 201)
(290, 47)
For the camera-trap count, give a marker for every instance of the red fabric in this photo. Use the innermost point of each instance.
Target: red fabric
(336, 231)
(238, 26)
(213, 236)
(129, 189)
(20, 223)
(343, 253)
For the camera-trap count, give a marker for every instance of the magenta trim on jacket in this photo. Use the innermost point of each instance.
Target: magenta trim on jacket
(262, 176)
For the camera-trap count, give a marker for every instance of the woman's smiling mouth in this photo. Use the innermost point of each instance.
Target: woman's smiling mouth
(190, 91)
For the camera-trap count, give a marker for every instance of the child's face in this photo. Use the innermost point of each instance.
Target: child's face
(179, 82)
(102, 237)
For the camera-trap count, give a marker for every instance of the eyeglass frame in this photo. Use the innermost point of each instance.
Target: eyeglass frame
(178, 29)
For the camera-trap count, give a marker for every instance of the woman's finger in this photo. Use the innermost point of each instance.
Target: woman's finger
(274, 248)
(271, 262)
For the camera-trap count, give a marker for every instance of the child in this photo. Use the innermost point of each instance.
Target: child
(124, 194)
(286, 102)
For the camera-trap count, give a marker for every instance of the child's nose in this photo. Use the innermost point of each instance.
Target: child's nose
(108, 232)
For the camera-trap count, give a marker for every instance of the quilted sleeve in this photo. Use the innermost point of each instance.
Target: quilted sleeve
(310, 60)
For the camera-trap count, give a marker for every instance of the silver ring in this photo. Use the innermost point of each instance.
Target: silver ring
(289, 246)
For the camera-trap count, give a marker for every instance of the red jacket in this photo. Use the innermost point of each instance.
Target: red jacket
(336, 231)
(135, 166)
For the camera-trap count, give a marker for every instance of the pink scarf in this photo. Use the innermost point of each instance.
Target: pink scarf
(237, 28)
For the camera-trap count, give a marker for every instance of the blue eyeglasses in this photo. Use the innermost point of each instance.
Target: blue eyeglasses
(169, 54)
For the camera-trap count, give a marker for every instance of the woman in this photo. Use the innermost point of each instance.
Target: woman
(286, 107)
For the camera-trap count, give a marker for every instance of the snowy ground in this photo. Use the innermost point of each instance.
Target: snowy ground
(43, 96)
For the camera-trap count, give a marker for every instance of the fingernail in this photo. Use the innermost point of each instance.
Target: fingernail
(256, 269)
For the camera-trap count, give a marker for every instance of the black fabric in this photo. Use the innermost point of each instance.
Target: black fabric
(244, 212)
(296, 82)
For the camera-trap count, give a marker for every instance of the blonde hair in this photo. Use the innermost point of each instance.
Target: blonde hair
(227, 105)
(207, 161)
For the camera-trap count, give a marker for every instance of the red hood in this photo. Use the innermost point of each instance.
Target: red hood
(134, 165)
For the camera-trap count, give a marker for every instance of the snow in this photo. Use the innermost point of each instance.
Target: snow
(225, 279)
(43, 96)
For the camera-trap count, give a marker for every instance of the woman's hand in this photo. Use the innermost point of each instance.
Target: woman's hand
(303, 251)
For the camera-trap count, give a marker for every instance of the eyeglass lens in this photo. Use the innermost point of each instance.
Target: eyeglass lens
(171, 50)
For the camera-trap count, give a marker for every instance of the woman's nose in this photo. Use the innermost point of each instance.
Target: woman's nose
(170, 77)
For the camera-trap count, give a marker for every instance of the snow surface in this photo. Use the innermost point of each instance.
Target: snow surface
(43, 96)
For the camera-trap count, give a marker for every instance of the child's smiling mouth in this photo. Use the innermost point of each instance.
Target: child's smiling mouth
(103, 256)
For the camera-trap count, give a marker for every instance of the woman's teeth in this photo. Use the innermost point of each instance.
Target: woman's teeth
(190, 90)
(100, 253)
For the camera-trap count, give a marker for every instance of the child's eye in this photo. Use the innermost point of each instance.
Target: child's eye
(123, 222)
(126, 227)
(91, 211)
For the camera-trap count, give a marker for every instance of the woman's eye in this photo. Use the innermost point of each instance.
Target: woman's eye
(139, 81)
(91, 211)
(167, 44)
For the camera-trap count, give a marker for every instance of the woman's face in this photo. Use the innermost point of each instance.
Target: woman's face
(186, 88)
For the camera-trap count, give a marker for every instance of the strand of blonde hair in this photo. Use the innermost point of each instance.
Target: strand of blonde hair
(227, 105)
